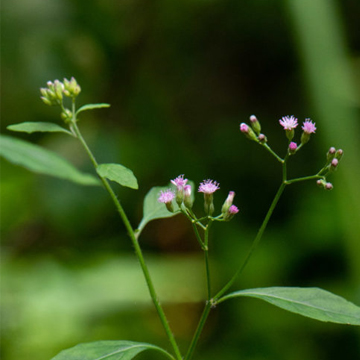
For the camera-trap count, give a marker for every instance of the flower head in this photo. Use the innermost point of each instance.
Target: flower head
(179, 182)
(308, 126)
(166, 196)
(208, 186)
(288, 122)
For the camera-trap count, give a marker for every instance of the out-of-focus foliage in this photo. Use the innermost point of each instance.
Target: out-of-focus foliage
(180, 77)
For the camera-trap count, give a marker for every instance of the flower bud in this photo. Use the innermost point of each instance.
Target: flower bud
(249, 133)
(228, 202)
(330, 154)
(262, 139)
(321, 183)
(231, 213)
(67, 115)
(71, 87)
(292, 148)
(255, 124)
(188, 202)
(339, 154)
(58, 89)
(328, 186)
(46, 100)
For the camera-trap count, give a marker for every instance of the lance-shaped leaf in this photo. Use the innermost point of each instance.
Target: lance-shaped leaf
(153, 209)
(110, 350)
(40, 160)
(91, 107)
(119, 174)
(31, 127)
(311, 302)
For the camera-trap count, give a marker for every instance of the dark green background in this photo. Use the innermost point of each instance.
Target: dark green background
(180, 77)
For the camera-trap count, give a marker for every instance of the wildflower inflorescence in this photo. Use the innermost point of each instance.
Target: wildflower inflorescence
(289, 124)
(183, 197)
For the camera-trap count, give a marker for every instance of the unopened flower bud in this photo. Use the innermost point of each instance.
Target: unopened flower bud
(262, 139)
(330, 154)
(249, 133)
(71, 87)
(334, 163)
(67, 115)
(228, 202)
(255, 124)
(232, 211)
(321, 183)
(46, 100)
(58, 89)
(328, 186)
(292, 148)
(339, 154)
(188, 202)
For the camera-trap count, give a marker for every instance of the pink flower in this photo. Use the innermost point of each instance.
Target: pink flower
(179, 182)
(289, 122)
(308, 126)
(233, 210)
(166, 196)
(208, 186)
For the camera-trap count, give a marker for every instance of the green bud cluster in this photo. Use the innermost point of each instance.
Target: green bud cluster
(53, 94)
(55, 91)
(71, 88)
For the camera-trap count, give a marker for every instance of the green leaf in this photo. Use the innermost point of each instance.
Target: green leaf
(154, 210)
(311, 302)
(112, 350)
(119, 174)
(30, 127)
(40, 160)
(92, 107)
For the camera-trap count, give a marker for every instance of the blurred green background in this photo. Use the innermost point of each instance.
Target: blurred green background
(180, 77)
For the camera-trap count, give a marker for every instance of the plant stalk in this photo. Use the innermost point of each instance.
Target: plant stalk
(136, 245)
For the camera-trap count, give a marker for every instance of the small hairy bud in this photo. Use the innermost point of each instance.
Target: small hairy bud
(255, 124)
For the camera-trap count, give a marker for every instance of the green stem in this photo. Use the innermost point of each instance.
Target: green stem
(136, 245)
(207, 269)
(206, 254)
(271, 151)
(312, 177)
(198, 331)
(255, 242)
(198, 237)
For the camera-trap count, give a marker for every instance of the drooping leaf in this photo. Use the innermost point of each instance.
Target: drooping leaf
(30, 127)
(43, 161)
(110, 350)
(91, 107)
(119, 174)
(153, 209)
(311, 302)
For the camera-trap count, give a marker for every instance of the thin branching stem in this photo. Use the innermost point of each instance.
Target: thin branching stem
(136, 245)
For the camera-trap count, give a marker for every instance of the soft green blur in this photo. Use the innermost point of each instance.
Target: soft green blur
(180, 77)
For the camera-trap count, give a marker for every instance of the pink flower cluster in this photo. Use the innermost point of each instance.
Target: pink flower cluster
(291, 122)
